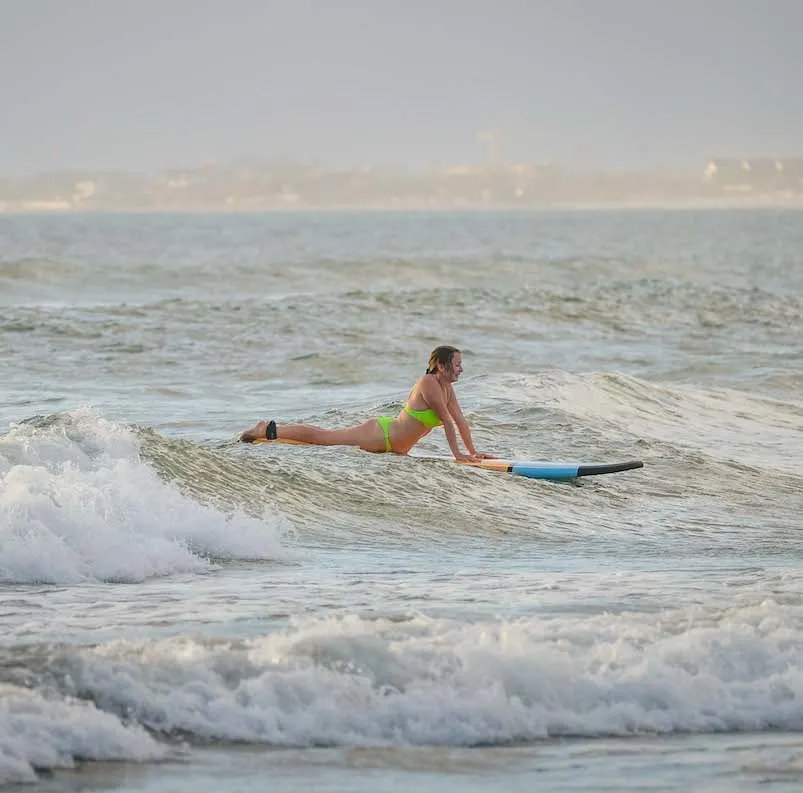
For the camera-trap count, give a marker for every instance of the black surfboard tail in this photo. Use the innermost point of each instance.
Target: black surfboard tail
(611, 468)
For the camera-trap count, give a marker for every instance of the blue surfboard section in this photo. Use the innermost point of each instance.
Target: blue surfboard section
(539, 470)
(546, 470)
(542, 469)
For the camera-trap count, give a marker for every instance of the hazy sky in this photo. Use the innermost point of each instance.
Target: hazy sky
(146, 84)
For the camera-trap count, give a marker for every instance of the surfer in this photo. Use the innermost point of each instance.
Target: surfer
(432, 403)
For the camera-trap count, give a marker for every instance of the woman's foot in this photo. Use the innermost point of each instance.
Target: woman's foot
(262, 430)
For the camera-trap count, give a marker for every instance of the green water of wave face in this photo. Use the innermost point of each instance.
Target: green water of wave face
(697, 470)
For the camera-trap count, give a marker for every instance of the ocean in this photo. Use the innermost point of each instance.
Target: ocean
(182, 612)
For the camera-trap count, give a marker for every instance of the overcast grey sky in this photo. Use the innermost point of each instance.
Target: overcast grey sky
(153, 83)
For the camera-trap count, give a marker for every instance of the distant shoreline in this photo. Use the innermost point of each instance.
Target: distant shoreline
(282, 188)
(568, 206)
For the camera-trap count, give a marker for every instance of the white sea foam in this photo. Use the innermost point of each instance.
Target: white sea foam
(37, 733)
(77, 503)
(352, 681)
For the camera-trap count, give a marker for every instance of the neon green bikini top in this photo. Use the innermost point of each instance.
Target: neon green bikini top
(429, 418)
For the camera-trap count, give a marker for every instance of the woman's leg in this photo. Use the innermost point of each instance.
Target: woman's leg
(368, 435)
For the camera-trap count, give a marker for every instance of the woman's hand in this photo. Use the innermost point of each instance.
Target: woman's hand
(474, 457)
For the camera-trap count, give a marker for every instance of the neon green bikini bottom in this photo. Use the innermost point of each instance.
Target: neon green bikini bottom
(429, 418)
(385, 422)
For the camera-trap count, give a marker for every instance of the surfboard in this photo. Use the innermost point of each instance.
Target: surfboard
(543, 469)
(532, 469)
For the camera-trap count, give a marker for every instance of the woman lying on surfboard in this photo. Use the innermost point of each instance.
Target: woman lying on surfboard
(432, 403)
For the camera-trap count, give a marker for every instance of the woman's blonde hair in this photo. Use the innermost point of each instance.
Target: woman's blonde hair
(440, 355)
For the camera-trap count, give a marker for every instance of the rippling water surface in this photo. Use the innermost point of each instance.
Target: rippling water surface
(183, 612)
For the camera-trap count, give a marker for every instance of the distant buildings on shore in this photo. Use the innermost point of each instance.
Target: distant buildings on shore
(288, 186)
(778, 177)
